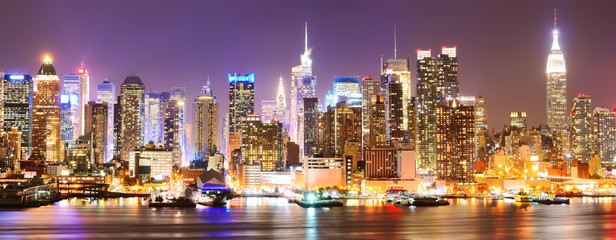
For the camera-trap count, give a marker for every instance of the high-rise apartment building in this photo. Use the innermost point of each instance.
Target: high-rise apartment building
(447, 86)
(481, 114)
(311, 126)
(556, 86)
(581, 129)
(132, 115)
(604, 131)
(370, 88)
(171, 132)
(378, 121)
(46, 113)
(395, 109)
(18, 93)
(455, 142)
(96, 123)
(425, 111)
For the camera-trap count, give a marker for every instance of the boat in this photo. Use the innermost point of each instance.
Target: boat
(422, 201)
(319, 203)
(523, 198)
(549, 201)
(180, 202)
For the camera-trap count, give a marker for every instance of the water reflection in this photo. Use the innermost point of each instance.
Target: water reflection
(275, 217)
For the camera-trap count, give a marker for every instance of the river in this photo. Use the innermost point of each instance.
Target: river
(585, 218)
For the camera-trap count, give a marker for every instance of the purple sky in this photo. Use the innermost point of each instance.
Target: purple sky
(502, 45)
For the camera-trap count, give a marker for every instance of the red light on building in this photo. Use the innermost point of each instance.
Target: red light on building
(82, 71)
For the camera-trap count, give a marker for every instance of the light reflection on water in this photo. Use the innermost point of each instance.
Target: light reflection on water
(275, 217)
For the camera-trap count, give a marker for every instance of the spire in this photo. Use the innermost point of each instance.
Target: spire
(395, 43)
(280, 98)
(555, 45)
(306, 36)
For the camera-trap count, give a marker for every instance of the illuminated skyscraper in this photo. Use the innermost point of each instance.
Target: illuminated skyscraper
(517, 120)
(370, 89)
(281, 112)
(96, 123)
(106, 94)
(153, 120)
(455, 142)
(604, 130)
(425, 110)
(46, 113)
(77, 86)
(303, 85)
(311, 126)
(394, 109)
(171, 110)
(179, 94)
(132, 113)
(346, 88)
(378, 121)
(206, 128)
(581, 128)
(66, 120)
(481, 114)
(18, 92)
(447, 86)
(556, 87)
(262, 143)
(241, 100)
(401, 69)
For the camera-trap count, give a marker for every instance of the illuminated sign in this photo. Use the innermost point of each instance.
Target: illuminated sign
(534, 158)
(17, 77)
(239, 78)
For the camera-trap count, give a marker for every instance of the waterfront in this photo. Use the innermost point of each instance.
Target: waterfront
(273, 217)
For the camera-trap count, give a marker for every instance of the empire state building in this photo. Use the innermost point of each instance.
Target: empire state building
(556, 87)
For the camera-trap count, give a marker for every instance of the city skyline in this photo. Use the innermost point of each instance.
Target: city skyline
(355, 50)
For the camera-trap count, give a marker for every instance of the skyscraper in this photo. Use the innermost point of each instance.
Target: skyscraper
(171, 111)
(153, 120)
(46, 113)
(394, 109)
(581, 128)
(77, 86)
(96, 123)
(106, 94)
(132, 113)
(425, 110)
(400, 68)
(556, 87)
(303, 85)
(481, 114)
(447, 86)
(311, 126)
(241, 100)
(455, 142)
(370, 89)
(378, 121)
(18, 93)
(179, 94)
(66, 120)
(604, 130)
(206, 128)
(281, 112)
(517, 120)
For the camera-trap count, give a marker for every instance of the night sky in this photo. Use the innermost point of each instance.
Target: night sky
(502, 45)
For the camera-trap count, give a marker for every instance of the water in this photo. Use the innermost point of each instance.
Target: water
(585, 218)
